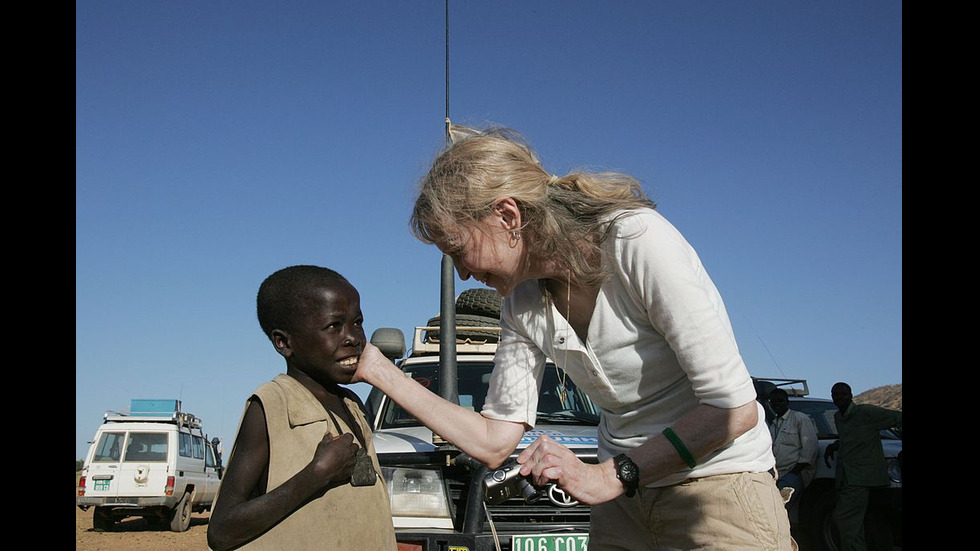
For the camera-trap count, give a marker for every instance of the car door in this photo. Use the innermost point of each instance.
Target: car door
(104, 464)
(212, 476)
(144, 468)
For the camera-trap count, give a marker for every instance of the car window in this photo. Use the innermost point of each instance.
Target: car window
(822, 414)
(109, 448)
(891, 434)
(198, 447)
(185, 445)
(473, 383)
(146, 446)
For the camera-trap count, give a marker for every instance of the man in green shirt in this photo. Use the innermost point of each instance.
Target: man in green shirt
(861, 464)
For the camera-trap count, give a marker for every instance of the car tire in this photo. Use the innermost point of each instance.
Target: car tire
(877, 531)
(102, 520)
(479, 302)
(822, 528)
(180, 516)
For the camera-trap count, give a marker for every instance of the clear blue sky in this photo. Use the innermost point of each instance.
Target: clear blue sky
(216, 142)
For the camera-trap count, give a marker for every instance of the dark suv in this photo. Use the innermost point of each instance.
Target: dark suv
(883, 522)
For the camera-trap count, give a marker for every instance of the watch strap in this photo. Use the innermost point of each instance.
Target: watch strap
(628, 473)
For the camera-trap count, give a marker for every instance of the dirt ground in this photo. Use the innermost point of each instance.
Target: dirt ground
(133, 533)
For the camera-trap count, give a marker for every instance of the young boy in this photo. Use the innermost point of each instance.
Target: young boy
(298, 476)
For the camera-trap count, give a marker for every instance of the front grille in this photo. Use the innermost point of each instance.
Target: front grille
(514, 516)
(517, 516)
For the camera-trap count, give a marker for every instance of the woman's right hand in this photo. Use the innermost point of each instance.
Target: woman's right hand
(370, 365)
(548, 461)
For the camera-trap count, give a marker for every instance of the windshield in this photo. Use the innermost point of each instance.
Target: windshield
(474, 380)
(822, 413)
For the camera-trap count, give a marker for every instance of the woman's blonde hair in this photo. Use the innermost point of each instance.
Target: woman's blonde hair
(565, 218)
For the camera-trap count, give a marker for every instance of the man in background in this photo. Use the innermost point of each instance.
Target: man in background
(795, 445)
(861, 463)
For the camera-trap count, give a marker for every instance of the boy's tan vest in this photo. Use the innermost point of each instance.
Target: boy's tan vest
(344, 517)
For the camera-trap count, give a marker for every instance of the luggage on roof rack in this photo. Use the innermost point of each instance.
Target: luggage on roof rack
(154, 410)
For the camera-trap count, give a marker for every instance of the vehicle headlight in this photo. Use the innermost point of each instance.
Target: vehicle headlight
(416, 492)
(894, 470)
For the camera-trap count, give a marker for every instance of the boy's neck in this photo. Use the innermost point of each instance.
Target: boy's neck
(331, 397)
(324, 393)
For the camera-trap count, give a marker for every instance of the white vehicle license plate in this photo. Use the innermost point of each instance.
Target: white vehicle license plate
(551, 542)
(102, 485)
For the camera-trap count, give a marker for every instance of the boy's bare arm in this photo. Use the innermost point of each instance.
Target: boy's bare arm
(244, 510)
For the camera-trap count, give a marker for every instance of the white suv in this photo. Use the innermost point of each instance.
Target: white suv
(437, 493)
(155, 462)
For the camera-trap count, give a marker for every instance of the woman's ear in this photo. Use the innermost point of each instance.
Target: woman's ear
(510, 214)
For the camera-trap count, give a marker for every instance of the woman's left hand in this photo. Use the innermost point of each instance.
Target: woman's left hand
(548, 461)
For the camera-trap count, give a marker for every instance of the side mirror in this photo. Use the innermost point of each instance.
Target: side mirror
(390, 341)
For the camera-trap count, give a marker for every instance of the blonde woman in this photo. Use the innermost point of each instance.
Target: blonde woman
(594, 278)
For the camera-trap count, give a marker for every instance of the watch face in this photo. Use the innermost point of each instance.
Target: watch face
(628, 471)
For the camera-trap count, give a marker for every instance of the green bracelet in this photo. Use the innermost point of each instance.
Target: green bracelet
(680, 447)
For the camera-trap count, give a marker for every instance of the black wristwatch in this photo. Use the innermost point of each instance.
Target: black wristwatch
(628, 473)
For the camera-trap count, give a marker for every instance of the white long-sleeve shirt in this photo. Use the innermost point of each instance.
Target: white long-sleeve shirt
(659, 343)
(796, 442)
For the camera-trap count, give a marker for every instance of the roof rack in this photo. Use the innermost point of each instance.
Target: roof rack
(469, 344)
(178, 418)
(791, 386)
(154, 411)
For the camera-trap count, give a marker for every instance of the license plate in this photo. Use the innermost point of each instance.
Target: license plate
(102, 485)
(551, 542)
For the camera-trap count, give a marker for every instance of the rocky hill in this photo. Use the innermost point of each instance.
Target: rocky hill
(888, 396)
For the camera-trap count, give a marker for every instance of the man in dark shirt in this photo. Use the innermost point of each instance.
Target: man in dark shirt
(861, 464)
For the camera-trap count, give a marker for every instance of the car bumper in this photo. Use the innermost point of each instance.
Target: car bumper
(126, 502)
(409, 540)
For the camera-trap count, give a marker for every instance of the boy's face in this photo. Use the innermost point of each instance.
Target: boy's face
(327, 341)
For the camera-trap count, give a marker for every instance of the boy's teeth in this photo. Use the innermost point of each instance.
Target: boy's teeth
(349, 361)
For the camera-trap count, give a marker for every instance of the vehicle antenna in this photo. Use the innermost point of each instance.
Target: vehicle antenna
(448, 123)
(758, 336)
(448, 386)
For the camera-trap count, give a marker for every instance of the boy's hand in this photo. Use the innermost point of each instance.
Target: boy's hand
(334, 459)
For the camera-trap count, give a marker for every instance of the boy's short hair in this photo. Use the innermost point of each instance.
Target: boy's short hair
(283, 295)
